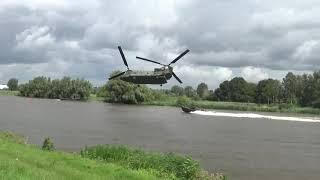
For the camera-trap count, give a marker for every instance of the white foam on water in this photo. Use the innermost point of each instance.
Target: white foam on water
(259, 116)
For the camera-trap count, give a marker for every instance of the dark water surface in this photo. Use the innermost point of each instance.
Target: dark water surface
(242, 148)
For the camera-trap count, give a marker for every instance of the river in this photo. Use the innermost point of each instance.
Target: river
(241, 147)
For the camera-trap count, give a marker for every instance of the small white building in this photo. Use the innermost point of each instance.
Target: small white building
(3, 86)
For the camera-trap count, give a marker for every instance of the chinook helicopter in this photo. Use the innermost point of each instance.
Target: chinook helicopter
(158, 76)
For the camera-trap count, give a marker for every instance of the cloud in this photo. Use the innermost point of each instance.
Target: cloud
(252, 74)
(35, 38)
(195, 75)
(252, 38)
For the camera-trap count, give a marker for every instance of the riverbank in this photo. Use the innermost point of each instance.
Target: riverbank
(19, 160)
(8, 93)
(92, 97)
(203, 104)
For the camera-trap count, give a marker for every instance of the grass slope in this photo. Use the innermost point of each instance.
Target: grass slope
(20, 161)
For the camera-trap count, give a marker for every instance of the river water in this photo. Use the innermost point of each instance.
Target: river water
(241, 147)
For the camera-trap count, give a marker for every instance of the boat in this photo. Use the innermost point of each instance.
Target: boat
(188, 109)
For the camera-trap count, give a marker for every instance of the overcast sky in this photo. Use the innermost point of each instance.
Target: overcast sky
(255, 39)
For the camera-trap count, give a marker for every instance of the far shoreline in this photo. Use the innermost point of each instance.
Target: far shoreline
(203, 104)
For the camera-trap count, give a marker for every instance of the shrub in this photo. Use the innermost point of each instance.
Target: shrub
(316, 103)
(48, 144)
(167, 163)
(286, 106)
(43, 87)
(12, 137)
(183, 101)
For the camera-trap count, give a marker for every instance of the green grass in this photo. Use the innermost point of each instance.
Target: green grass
(93, 97)
(21, 161)
(168, 164)
(8, 93)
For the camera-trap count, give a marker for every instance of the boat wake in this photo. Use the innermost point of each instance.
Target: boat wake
(256, 116)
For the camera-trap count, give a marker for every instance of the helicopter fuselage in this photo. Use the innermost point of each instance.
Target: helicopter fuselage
(158, 76)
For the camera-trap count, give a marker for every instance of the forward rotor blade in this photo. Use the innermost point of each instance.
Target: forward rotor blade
(123, 57)
(115, 76)
(180, 56)
(176, 77)
(149, 60)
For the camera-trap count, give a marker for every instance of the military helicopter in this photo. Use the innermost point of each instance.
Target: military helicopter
(158, 76)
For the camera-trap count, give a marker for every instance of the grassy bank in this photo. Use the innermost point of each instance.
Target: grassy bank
(23, 161)
(20, 161)
(202, 104)
(8, 93)
(168, 165)
(93, 97)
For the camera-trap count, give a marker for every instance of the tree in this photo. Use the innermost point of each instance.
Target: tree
(241, 91)
(211, 96)
(290, 85)
(268, 91)
(177, 90)
(223, 92)
(237, 90)
(251, 91)
(190, 92)
(13, 84)
(202, 90)
(310, 95)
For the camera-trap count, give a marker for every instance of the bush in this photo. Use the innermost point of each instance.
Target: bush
(286, 106)
(12, 137)
(181, 166)
(48, 145)
(316, 103)
(183, 101)
(66, 88)
(118, 91)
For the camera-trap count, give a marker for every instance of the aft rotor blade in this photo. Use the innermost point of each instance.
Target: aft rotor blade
(176, 77)
(115, 76)
(149, 60)
(180, 56)
(123, 57)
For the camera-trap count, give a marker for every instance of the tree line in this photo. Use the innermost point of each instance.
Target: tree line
(302, 90)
